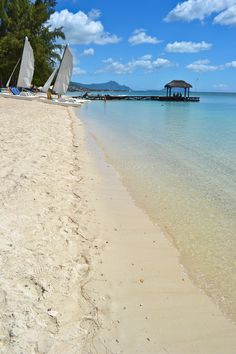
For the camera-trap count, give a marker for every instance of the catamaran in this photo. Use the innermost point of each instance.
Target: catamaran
(25, 76)
(61, 77)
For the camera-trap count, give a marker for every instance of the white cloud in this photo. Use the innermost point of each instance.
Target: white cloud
(232, 64)
(221, 87)
(146, 57)
(108, 60)
(88, 52)
(139, 36)
(198, 9)
(187, 47)
(80, 28)
(161, 63)
(78, 71)
(202, 61)
(116, 67)
(203, 66)
(94, 14)
(227, 17)
(145, 63)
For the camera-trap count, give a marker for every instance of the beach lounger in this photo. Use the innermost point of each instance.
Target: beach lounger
(15, 91)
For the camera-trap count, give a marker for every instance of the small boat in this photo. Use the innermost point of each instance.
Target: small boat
(25, 76)
(61, 77)
(63, 102)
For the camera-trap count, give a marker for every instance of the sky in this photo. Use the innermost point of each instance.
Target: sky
(145, 44)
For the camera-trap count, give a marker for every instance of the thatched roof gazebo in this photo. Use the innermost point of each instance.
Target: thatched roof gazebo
(177, 84)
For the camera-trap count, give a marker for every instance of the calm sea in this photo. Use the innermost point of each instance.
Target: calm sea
(178, 160)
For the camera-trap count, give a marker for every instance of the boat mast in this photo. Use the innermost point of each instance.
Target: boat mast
(9, 80)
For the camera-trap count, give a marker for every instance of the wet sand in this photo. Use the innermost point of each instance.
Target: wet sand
(153, 307)
(83, 269)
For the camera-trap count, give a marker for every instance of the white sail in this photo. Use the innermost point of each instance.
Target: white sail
(49, 81)
(27, 66)
(64, 73)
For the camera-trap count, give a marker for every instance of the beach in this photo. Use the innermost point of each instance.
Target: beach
(83, 268)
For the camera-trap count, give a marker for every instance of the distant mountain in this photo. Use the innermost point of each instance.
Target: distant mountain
(107, 86)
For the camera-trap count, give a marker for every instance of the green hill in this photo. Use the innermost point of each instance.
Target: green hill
(107, 86)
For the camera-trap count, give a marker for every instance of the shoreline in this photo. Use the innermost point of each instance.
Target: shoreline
(155, 221)
(181, 303)
(83, 269)
(154, 159)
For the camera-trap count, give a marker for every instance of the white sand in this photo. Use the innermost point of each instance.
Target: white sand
(83, 270)
(42, 251)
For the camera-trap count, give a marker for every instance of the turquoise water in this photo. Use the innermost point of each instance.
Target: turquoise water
(178, 162)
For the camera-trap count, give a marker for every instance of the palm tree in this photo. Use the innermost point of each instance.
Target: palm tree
(20, 18)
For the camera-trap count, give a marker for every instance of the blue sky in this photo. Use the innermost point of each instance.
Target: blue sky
(145, 44)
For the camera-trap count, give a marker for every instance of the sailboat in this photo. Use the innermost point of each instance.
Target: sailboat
(26, 73)
(61, 77)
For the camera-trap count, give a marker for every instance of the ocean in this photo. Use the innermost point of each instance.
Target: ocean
(178, 162)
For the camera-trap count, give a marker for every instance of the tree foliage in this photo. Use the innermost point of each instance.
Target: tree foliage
(21, 18)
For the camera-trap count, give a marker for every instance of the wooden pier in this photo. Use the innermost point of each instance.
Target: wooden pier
(140, 98)
(181, 95)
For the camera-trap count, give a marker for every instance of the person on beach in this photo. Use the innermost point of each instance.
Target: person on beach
(49, 94)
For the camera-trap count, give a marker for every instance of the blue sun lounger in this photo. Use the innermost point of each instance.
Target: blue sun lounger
(15, 91)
